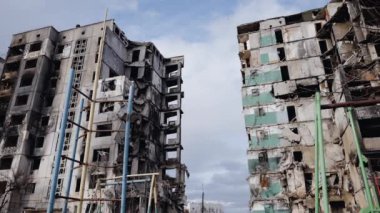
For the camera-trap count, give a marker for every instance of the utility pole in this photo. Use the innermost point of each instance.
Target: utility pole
(203, 200)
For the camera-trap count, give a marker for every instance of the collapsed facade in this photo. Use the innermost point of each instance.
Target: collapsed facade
(32, 91)
(333, 50)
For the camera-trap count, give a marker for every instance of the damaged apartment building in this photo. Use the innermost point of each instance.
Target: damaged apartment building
(334, 50)
(32, 94)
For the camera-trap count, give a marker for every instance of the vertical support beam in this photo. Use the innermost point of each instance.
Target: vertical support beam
(58, 154)
(316, 161)
(367, 189)
(73, 152)
(151, 193)
(321, 150)
(155, 198)
(127, 133)
(91, 118)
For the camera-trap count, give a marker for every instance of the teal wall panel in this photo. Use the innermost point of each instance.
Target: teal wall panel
(255, 120)
(264, 58)
(263, 98)
(271, 141)
(267, 40)
(263, 78)
(273, 164)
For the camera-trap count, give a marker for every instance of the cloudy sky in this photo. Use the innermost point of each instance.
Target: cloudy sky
(204, 31)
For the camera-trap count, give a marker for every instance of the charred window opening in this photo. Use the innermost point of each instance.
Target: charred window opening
(60, 49)
(323, 46)
(318, 27)
(21, 100)
(80, 46)
(135, 55)
(263, 157)
(106, 107)
(100, 155)
(171, 68)
(261, 111)
(31, 64)
(293, 19)
(99, 40)
(294, 130)
(6, 163)
(284, 73)
(36, 163)
(17, 119)
(134, 73)
(247, 62)
(117, 30)
(377, 48)
(103, 130)
(77, 185)
(337, 206)
(327, 66)
(308, 181)
(49, 100)
(96, 58)
(35, 47)
(14, 66)
(297, 156)
(369, 128)
(16, 50)
(40, 142)
(92, 184)
(78, 62)
(3, 186)
(291, 113)
(112, 73)
(281, 54)
(243, 77)
(27, 79)
(278, 34)
(57, 64)
(249, 137)
(307, 91)
(11, 141)
(108, 86)
(245, 45)
(30, 187)
(45, 121)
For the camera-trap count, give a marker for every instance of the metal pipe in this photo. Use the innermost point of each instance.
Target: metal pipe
(134, 175)
(127, 133)
(129, 181)
(91, 117)
(367, 189)
(316, 160)
(61, 141)
(73, 152)
(321, 150)
(151, 194)
(352, 104)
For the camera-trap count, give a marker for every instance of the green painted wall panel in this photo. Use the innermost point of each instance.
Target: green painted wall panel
(264, 58)
(274, 189)
(268, 142)
(267, 40)
(271, 210)
(273, 164)
(255, 120)
(263, 78)
(263, 98)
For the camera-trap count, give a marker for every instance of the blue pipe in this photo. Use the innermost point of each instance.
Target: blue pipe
(58, 154)
(71, 165)
(126, 149)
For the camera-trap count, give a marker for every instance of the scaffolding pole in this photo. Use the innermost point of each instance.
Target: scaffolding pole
(73, 152)
(367, 189)
(126, 149)
(320, 144)
(316, 161)
(91, 117)
(61, 141)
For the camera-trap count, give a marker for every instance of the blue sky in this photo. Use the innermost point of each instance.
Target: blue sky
(204, 32)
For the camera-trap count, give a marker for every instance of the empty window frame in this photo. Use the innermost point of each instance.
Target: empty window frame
(36, 163)
(30, 64)
(134, 73)
(171, 68)
(35, 47)
(377, 48)
(48, 100)
(27, 79)
(40, 142)
(284, 73)
(14, 66)
(106, 107)
(3, 186)
(278, 35)
(112, 73)
(94, 180)
(101, 155)
(30, 188)
(135, 55)
(6, 163)
(338, 206)
(16, 50)
(291, 113)
(263, 157)
(297, 156)
(80, 46)
(103, 130)
(78, 62)
(17, 119)
(44, 120)
(11, 141)
(60, 48)
(281, 54)
(108, 86)
(323, 46)
(262, 135)
(318, 27)
(77, 185)
(327, 66)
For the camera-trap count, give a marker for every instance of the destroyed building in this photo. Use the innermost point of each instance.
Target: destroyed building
(333, 50)
(32, 93)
